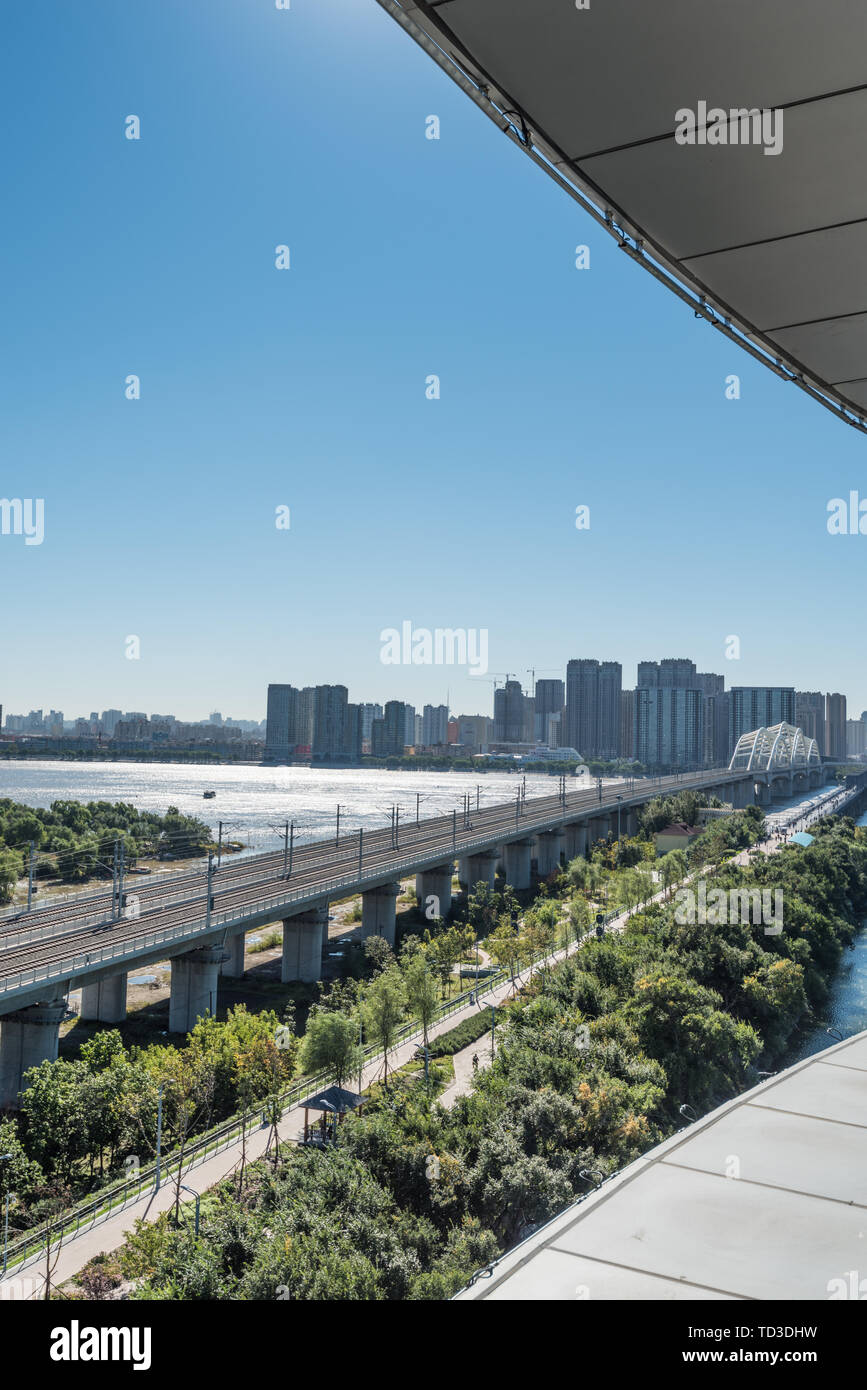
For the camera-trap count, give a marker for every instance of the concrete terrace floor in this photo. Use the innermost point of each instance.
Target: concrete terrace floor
(764, 1198)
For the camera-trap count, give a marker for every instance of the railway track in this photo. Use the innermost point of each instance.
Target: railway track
(245, 887)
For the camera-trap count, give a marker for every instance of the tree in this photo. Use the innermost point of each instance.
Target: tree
(19, 1175)
(580, 916)
(331, 1044)
(378, 955)
(188, 1077)
(673, 869)
(507, 946)
(383, 1011)
(421, 991)
(11, 869)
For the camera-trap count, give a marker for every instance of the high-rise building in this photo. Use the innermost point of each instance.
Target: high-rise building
(109, 719)
(669, 726)
(353, 738)
(409, 725)
(509, 713)
(593, 690)
(810, 715)
(627, 723)
(856, 738)
(759, 707)
(716, 719)
(388, 735)
(434, 725)
(673, 672)
(835, 726)
(369, 712)
(550, 699)
(669, 729)
(474, 732)
(277, 714)
(329, 723)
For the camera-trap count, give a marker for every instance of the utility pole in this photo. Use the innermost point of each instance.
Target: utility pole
(209, 903)
(285, 847)
(120, 869)
(30, 879)
(220, 844)
(397, 827)
(291, 846)
(159, 1135)
(337, 840)
(417, 805)
(360, 849)
(454, 829)
(113, 880)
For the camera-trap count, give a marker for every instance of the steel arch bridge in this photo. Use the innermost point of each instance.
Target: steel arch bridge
(782, 748)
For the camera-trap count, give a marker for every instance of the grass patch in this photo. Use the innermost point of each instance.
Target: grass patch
(464, 1033)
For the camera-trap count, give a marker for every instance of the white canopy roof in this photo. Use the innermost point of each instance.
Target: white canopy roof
(769, 247)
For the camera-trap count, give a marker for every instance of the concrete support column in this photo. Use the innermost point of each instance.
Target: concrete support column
(304, 935)
(576, 841)
(105, 1000)
(435, 883)
(599, 829)
(194, 987)
(378, 911)
(548, 854)
(233, 966)
(481, 868)
(518, 863)
(27, 1037)
(630, 821)
(763, 794)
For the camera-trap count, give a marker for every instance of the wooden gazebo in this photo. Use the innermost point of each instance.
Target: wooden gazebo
(332, 1104)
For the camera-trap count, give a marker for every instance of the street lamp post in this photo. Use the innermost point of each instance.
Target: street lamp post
(159, 1136)
(195, 1194)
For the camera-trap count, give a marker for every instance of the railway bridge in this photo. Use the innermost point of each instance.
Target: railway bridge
(198, 919)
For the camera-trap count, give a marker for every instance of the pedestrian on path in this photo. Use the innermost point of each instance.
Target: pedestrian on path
(475, 1061)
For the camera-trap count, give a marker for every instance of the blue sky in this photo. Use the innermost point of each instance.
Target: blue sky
(306, 388)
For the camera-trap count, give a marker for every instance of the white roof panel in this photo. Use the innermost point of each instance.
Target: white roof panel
(768, 247)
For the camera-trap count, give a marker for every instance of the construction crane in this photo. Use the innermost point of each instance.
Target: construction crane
(531, 671)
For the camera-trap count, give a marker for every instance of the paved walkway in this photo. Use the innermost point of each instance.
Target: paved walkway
(464, 1073)
(110, 1234)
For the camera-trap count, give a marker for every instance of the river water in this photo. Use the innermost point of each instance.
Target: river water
(254, 802)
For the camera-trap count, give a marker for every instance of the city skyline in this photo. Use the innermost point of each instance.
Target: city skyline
(241, 719)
